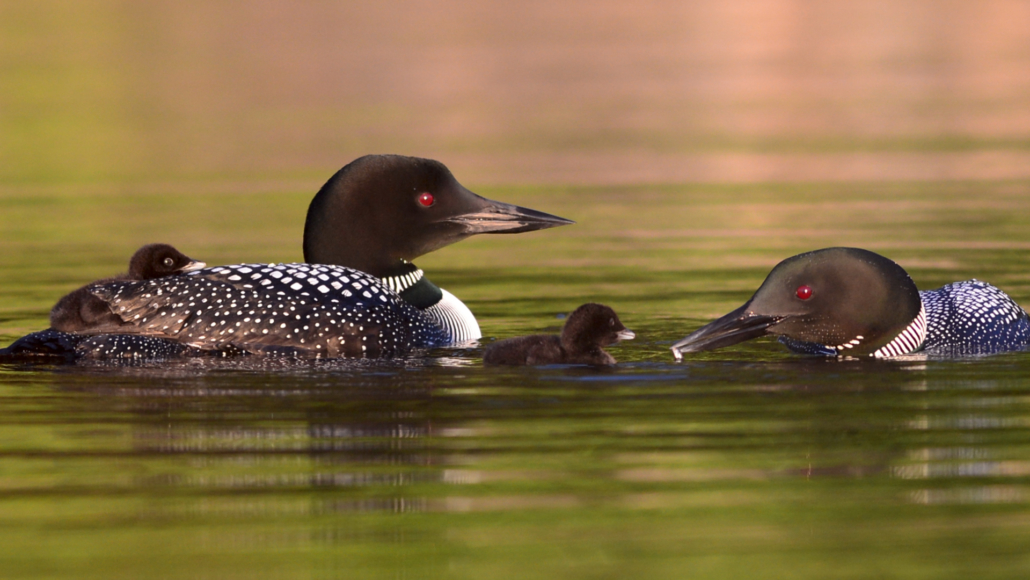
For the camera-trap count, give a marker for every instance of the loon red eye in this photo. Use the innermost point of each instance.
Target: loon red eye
(804, 292)
(426, 199)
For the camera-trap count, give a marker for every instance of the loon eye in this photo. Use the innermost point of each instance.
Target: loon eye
(168, 262)
(804, 292)
(611, 322)
(426, 199)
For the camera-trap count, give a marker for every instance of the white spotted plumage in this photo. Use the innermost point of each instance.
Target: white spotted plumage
(281, 311)
(973, 316)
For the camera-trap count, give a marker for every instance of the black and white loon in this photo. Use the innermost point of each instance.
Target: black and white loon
(853, 302)
(357, 295)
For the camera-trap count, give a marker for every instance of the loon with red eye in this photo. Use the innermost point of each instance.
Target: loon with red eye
(867, 306)
(357, 293)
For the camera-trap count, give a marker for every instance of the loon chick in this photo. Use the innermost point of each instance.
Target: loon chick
(589, 328)
(848, 301)
(81, 311)
(358, 295)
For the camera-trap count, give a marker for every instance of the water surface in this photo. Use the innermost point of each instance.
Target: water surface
(747, 462)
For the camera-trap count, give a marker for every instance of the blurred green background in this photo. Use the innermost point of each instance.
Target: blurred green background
(576, 92)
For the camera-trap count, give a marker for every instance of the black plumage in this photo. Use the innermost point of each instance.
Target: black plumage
(588, 329)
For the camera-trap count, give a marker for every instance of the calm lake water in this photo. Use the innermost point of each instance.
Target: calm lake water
(696, 144)
(747, 462)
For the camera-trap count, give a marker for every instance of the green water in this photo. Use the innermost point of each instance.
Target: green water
(900, 127)
(742, 463)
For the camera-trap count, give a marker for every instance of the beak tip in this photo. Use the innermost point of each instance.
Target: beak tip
(549, 222)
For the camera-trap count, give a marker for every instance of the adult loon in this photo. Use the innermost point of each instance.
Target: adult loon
(588, 329)
(357, 295)
(848, 301)
(80, 310)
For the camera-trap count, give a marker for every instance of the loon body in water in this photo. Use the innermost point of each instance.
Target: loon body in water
(848, 301)
(588, 329)
(81, 311)
(357, 295)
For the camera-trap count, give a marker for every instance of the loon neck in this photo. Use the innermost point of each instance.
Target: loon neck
(410, 282)
(451, 314)
(909, 340)
(422, 294)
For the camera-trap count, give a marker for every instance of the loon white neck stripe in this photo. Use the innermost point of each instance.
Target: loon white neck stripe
(909, 340)
(401, 283)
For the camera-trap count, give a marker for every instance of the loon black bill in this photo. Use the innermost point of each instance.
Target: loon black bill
(503, 218)
(737, 326)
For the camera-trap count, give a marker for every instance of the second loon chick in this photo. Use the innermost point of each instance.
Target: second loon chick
(589, 328)
(82, 312)
(849, 301)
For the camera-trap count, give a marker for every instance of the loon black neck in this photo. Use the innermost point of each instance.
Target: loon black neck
(422, 294)
(410, 282)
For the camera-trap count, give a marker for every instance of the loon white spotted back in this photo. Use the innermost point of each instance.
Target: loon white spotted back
(973, 316)
(312, 309)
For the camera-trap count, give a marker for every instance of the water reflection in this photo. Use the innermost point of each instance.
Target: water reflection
(306, 454)
(990, 494)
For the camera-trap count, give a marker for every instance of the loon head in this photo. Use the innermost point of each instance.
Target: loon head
(380, 210)
(844, 299)
(158, 260)
(593, 325)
